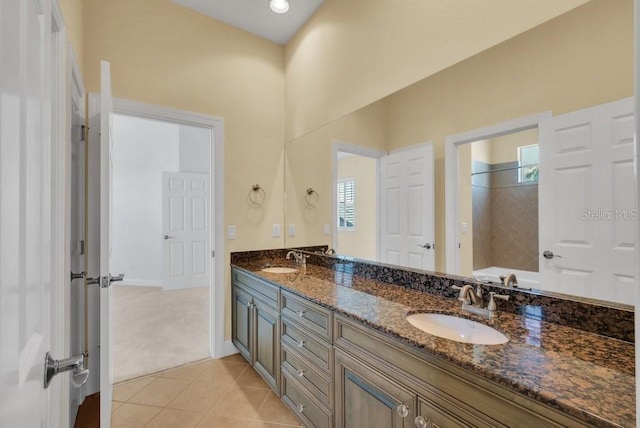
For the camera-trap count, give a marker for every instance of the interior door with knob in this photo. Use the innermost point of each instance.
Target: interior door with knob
(106, 241)
(407, 219)
(587, 213)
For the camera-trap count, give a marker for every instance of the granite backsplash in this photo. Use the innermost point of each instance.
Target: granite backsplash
(591, 316)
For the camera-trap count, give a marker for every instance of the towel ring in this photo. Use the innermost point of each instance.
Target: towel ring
(311, 197)
(256, 196)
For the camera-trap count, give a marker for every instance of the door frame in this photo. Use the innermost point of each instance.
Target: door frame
(452, 142)
(217, 344)
(354, 149)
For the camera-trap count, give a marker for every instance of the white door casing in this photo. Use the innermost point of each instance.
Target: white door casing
(586, 202)
(106, 240)
(185, 224)
(407, 228)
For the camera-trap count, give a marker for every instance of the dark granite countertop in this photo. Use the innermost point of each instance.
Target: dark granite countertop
(583, 374)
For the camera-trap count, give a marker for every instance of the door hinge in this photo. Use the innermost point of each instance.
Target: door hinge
(82, 247)
(213, 253)
(459, 245)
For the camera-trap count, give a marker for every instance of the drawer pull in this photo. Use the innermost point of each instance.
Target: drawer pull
(402, 410)
(300, 408)
(300, 343)
(300, 313)
(300, 373)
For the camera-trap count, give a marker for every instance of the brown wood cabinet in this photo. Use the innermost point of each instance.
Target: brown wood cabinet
(256, 332)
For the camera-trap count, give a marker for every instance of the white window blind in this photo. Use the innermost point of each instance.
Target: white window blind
(346, 204)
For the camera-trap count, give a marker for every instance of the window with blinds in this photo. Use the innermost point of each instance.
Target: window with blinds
(346, 204)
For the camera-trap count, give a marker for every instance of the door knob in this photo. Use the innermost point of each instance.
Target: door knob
(168, 237)
(53, 367)
(426, 246)
(549, 255)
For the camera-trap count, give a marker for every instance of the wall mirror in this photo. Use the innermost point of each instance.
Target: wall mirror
(532, 82)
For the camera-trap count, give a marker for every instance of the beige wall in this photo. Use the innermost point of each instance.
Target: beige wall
(72, 11)
(361, 242)
(164, 54)
(352, 53)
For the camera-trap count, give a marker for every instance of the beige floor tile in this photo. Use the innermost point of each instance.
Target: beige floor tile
(222, 421)
(133, 415)
(188, 372)
(173, 418)
(160, 392)
(261, 424)
(198, 397)
(222, 374)
(240, 401)
(115, 405)
(274, 411)
(251, 379)
(124, 391)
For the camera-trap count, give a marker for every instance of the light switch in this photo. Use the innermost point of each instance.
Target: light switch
(231, 232)
(292, 230)
(276, 230)
(326, 230)
(465, 228)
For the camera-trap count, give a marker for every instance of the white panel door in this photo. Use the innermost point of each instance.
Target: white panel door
(586, 202)
(185, 220)
(407, 230)
(26, 256)
(106, 244)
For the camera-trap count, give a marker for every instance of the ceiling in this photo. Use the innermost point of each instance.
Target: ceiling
(256, 17)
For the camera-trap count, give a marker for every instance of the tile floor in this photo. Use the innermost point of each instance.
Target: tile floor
(212, 393)
(156, 329)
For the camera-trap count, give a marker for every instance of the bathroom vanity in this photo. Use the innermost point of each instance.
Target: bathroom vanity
(336, 346)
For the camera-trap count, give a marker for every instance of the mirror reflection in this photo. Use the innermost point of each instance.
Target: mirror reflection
(559, 68)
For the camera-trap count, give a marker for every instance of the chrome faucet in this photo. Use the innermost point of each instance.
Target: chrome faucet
(299, 258)
(473, 301)
(509, 280)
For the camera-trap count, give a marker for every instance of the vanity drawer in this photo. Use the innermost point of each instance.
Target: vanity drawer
(314, 317)
(305, 407)
(316, 383)
(267, 292)
(310, 346)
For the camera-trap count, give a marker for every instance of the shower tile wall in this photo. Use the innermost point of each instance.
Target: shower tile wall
(505, 219)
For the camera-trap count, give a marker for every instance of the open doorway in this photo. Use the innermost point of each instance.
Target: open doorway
(161, 243)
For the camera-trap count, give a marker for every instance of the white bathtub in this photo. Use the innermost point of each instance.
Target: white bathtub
(526, 279)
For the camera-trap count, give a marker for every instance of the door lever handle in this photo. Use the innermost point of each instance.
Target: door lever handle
(107, 280)
(53, 367)
(168, 237)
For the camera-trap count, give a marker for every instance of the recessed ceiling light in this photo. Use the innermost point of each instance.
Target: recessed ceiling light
(279, 6)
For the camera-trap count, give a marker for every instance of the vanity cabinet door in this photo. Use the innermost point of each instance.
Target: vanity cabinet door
(366, 399)
(241, 333)
(266, 355)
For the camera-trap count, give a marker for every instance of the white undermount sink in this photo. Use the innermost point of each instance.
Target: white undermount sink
(279, 269)
(456, 328)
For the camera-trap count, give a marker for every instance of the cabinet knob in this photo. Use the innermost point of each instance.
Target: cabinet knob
(300, 343)
(421, 422)
(300, 372)
(403, 410)
(300, 313)
(300, 408)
